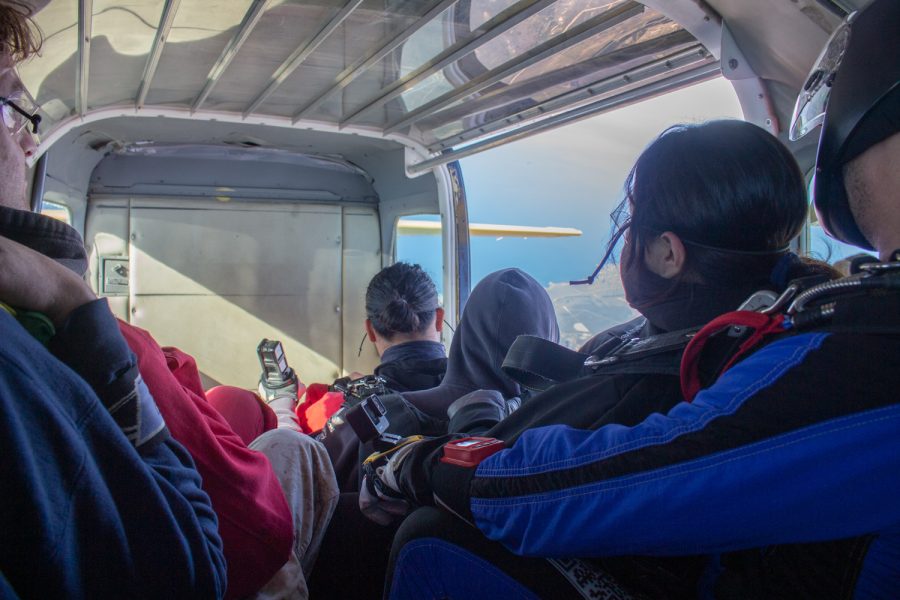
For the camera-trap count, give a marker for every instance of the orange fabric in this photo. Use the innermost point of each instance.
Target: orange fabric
(254, 519)
(315, 391)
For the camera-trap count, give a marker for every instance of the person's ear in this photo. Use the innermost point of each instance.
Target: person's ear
(666, 255)
(439, 319)
(370, 331)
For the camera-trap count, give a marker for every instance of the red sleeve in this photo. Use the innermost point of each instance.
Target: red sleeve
(254, 519)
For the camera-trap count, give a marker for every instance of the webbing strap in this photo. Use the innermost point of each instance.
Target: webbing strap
(537, 363)
(762, 326)
(665, 363)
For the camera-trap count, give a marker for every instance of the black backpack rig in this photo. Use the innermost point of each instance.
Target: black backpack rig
(867, 301)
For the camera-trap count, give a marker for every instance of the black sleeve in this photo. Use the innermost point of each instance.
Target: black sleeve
(418, 466)
(477, 412)
(90, 343)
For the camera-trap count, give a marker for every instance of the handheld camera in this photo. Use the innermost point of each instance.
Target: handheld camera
(360, 389)
(369, 422)
(275, 370)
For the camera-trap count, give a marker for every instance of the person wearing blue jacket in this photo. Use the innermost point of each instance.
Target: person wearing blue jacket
(98, 500)
(783, 472)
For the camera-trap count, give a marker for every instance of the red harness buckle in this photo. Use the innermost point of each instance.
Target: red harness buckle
(762, 325)
(470, 451)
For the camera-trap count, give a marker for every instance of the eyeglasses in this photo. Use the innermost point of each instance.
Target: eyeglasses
(18, 114)
(609, 250)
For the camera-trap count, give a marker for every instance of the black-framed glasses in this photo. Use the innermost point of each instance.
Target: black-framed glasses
(18, 113)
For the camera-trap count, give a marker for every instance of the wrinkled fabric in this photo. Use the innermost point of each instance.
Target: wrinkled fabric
(504, 305)
(239, 481)
(69, 523)
(414, 350)
(304, 470)
(245, 412)
(50, 237)
(318, 407)
(411, 366)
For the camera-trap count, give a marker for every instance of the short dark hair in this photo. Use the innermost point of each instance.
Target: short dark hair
(19, 36)
(401, 298)
(729, 189)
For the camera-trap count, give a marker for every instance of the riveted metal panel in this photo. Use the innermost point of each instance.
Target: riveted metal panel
(214, 278)
(361, 261)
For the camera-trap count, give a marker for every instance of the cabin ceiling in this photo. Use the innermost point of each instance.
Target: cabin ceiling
(442, 74)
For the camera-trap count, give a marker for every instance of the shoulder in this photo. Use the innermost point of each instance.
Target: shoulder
(413, 374)
(822, 372)
(35, 383)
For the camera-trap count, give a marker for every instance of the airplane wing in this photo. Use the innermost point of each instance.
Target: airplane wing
(416, 227)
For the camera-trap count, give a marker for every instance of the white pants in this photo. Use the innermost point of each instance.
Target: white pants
(310, 487)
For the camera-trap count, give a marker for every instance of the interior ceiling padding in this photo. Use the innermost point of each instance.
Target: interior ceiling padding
(367, 64)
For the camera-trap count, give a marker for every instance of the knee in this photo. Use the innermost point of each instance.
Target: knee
(284, 437)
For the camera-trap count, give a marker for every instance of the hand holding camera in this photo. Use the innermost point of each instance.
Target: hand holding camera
(278, 383)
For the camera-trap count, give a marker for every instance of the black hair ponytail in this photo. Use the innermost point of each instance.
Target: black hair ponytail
(401, 298)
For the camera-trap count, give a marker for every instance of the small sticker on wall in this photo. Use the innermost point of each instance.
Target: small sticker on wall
(114, 276)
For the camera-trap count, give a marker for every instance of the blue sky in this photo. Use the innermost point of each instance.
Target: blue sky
(572, 177)
(568, 177)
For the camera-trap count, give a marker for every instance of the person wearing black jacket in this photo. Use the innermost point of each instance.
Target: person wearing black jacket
(712, 209)
(404, 321)
(700, 264)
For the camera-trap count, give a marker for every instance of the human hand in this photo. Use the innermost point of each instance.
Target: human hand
(31, 281)
(381, 497)
(292, 388)
(378, 505)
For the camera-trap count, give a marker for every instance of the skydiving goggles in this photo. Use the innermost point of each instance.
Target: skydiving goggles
(809, 111)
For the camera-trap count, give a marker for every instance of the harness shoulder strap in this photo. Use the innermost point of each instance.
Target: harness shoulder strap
(537, 363)
(760, 326)
(872, 308)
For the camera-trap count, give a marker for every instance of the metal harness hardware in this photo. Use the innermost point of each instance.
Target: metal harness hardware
(811, 309)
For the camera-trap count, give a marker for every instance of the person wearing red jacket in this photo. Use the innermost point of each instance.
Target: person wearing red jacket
(254, 518)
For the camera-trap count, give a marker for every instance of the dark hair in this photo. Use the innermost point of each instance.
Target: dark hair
(19, 37)
(730, 190)
(401, 298)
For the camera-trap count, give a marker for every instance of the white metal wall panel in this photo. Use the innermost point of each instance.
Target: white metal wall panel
(362, 260)
(106, 236)
(214, 278)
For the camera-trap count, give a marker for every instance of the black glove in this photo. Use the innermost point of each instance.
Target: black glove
(404, 474)
(380, 496)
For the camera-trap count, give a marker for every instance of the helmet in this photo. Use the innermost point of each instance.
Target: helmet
(853, 92)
